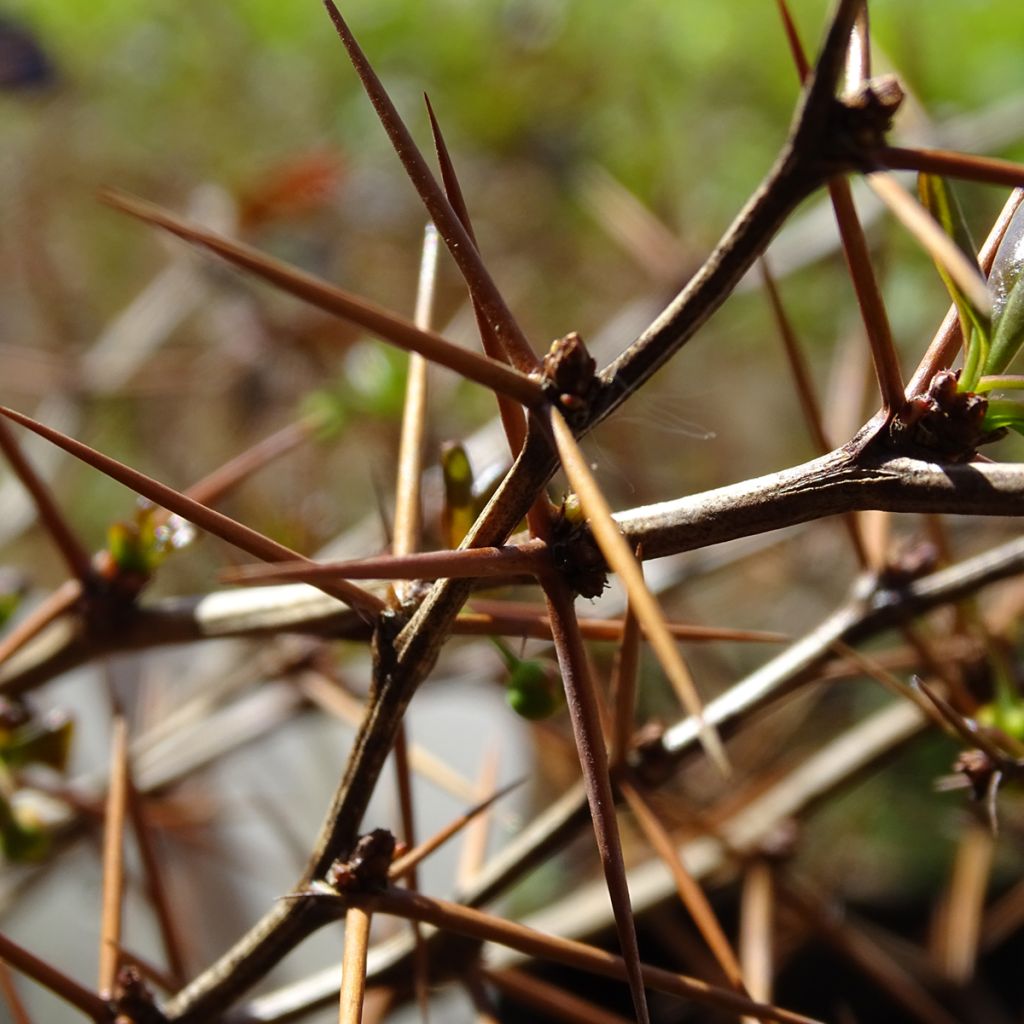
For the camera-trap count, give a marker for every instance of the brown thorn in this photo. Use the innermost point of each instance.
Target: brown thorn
(586, 725)
(215, 485)
(809, 403)
(113, 859)
(55, 981)
(19, 1014)
(689, 890)
(876, 321)
(170, 934)
(476, 924)
(954, 165)
(523, 559)
(512, 419)
(71, 548)
(460, 245)
(620, 558)
(56, 604)
(401, 866)
(869, 297)
(625, 675)
(208, 519)
(796, 48)
(336, 301)
(549, 999)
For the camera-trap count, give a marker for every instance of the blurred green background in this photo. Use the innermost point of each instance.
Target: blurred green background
(562, 117)
(557, 112)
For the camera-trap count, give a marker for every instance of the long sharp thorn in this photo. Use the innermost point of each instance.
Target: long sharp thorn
(580, 696)
(622, 560)
(208, 519)
(459, 243)
(71, 548)
(336, 301)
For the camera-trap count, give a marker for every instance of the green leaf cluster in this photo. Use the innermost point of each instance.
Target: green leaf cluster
(991, 340)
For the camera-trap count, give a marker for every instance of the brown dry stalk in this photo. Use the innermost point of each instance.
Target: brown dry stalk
(960, 914)
(756, 928)
(353, 968)
(113, 858)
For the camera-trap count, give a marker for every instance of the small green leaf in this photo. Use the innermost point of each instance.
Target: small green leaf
(23, 838)
(46, 741)
(1004, 412)
(9, 601)
(459, 511)
(140, 545)
(1008, 335)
